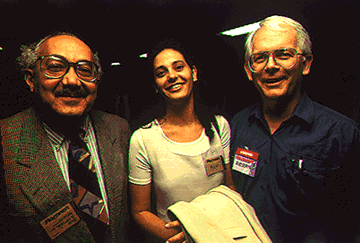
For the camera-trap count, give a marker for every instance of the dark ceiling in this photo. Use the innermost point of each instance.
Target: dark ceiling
(122, 30)
(120, 27)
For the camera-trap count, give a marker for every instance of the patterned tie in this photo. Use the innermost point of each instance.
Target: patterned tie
(85, 187)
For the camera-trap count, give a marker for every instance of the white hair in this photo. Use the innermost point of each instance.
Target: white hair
(274, 23)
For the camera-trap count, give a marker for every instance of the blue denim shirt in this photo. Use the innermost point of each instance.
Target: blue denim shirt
(305, 171)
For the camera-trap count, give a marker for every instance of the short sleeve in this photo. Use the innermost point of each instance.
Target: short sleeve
(224, 128)
(139, 163)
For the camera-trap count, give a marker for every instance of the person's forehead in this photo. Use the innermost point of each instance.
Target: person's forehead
(170, 52)
(269, 39)
(168, 56)
(69, 47)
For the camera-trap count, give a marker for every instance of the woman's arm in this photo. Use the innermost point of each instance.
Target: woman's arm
(228, 178)
(141, 211)
(225, 135)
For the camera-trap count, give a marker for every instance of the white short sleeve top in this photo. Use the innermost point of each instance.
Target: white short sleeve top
(177, 170)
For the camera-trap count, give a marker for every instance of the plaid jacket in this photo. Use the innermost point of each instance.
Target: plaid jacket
(35, 187)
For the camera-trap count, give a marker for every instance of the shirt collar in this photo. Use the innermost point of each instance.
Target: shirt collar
(57, 139)
(304, 110)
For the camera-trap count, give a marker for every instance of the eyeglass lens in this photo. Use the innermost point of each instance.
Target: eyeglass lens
(57, 67)
(283, 57)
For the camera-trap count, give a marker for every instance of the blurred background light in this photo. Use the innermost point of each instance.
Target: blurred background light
(241, 30)
(145, 55)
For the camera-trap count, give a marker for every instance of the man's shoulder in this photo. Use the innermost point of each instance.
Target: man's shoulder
(16, 120)
(105, 119)
(244, 114)
(331, 115)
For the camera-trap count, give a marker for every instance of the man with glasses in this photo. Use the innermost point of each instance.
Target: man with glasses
(64, 163)
(294, 160)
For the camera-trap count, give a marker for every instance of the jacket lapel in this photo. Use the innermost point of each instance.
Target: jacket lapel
(105, 142)
(112, 153)
(43, 182)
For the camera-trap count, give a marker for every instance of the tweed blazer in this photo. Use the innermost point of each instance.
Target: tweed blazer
(35, 187)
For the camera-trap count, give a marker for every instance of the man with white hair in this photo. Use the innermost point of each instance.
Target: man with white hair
(294, 160)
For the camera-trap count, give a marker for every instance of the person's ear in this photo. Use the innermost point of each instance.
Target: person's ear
(194, 73)
(248, 71)
(29, 79)
(307, 64)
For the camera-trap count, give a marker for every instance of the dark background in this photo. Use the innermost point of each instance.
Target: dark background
(122, 30)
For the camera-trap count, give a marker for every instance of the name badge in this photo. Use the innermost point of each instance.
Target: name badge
(214, 165)
(60, 221)
(245, 161)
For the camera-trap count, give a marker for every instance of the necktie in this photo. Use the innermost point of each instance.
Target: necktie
(85, 187)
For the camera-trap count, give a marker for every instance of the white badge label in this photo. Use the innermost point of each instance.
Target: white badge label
(245, 161)
(60, 221)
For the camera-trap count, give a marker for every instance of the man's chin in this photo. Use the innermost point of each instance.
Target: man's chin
(273, 95)
(60, 113)
(71, 112)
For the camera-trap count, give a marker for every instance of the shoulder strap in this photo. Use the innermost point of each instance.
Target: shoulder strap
(216, 125)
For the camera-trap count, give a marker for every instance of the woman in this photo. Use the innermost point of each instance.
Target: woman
(182, 153)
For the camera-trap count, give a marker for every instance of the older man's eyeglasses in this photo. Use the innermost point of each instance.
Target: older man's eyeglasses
(286, 58)
(53, 66)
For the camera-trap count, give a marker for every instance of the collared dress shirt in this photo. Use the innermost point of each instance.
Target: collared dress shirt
(304, 181)
(60, 146)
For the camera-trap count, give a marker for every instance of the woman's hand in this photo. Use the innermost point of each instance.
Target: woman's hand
(178, 238)
(232, 187)
(228, 178)
(141, 210)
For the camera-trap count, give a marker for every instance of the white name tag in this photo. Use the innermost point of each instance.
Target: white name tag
(60, 221)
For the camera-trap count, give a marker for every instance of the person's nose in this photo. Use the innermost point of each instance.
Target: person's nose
(272, 65)
(172, 77)
(71, 78)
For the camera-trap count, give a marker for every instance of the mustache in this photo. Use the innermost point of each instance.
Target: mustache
(73, 93)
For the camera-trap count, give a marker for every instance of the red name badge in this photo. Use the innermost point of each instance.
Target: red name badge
(245, 161)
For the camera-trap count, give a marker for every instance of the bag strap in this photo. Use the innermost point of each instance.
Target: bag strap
(216, 125)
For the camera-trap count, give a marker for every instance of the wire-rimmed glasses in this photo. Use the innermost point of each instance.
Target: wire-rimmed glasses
(54, 66)
(286, 58)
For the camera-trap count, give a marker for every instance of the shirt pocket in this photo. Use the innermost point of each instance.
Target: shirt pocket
(313, 167)
(312, 176)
